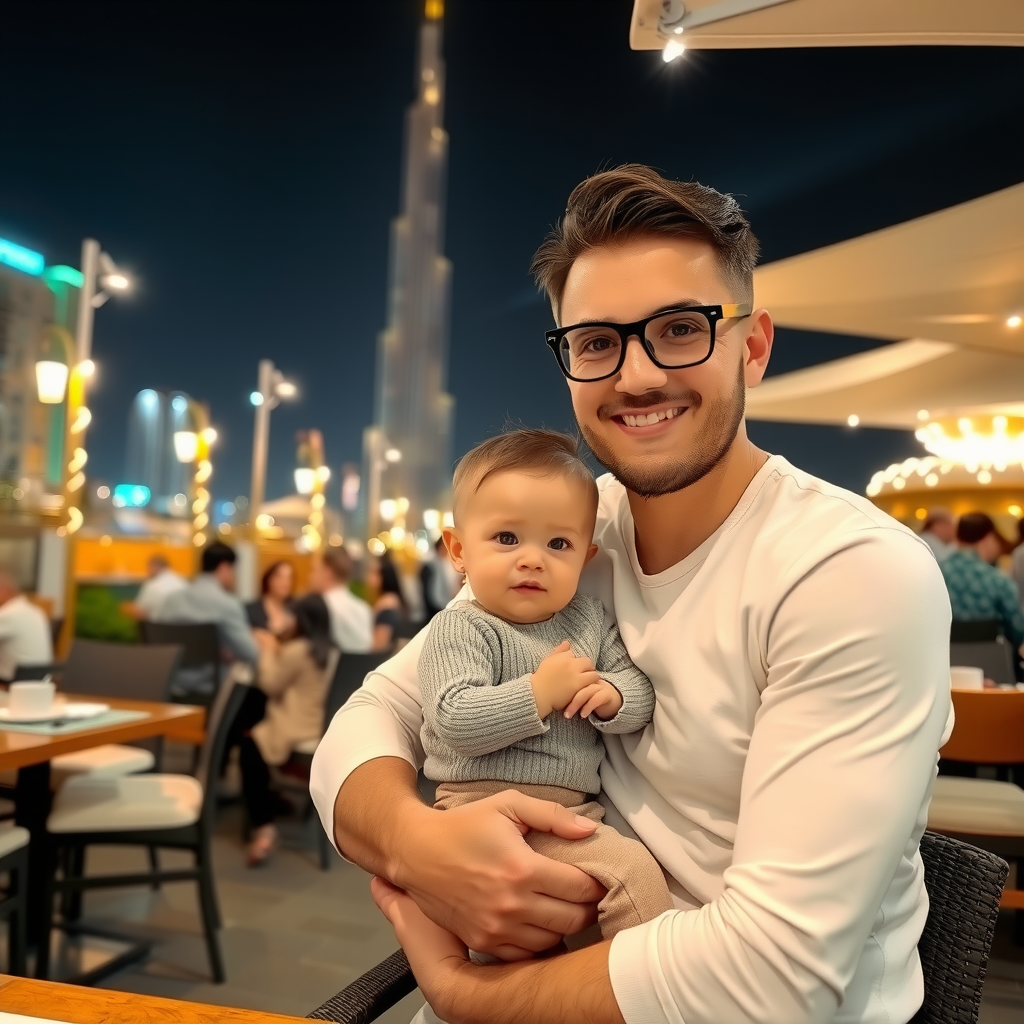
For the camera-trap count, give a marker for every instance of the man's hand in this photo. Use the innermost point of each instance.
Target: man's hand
(469, 871)
(559, 677)
(600, 698)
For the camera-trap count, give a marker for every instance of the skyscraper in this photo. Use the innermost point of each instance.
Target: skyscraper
(408, 448)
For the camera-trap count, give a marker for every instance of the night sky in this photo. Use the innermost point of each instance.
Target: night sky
(243, 160)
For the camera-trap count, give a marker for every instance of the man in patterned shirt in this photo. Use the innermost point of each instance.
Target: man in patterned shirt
(977, 589)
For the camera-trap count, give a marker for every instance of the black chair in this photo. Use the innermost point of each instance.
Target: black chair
(974, 631)
(194, 835)
(14, 863)
(964, 885)
(995, 658)
(198, 676)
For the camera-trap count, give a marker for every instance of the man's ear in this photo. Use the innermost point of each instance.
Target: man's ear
(453, 542)
(590, 553)
(758, 347)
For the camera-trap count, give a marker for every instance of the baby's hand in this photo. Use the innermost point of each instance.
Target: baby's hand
(600, 698)
(559, 677)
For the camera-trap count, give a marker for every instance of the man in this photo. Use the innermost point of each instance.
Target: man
(210, 598)
(438, 580)
(351, 616)
(939, 532)
(797, 639)
(977, 589)
(25, 637)
(161, 580)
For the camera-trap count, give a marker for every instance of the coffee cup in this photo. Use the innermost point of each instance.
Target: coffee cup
(966, 677)
(30, 698)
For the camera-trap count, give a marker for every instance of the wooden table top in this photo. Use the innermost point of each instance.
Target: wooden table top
(80, 1005)
(178, 721)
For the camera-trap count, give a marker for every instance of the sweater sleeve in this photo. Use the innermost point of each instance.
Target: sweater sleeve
(462, 700)
(840, 763)
(617, 668)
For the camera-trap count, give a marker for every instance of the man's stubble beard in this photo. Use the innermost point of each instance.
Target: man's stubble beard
(707, 449)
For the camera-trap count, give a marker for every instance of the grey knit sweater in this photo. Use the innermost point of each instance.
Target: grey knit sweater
(480, 719)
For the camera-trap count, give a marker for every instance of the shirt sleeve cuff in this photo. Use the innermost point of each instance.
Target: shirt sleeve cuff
(632, 968)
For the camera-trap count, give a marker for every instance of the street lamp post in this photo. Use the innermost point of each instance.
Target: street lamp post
(272, 388)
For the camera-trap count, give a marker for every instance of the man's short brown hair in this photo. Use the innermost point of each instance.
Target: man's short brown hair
(339, 564)
(633, 201)
(526, 450)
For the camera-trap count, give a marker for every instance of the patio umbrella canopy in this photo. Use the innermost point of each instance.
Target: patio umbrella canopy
(833, 23)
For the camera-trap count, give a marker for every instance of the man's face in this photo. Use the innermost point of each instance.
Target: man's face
(632, 280)
(945, 530)
(225, 573)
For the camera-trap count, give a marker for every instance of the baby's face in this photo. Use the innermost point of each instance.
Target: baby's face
(522, 541)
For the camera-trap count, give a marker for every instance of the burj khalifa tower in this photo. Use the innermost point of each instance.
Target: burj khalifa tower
(408, 449)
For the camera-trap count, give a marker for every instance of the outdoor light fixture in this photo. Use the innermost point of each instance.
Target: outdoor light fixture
(672, 49)
(392, 455)
(186, 445)
(111, 278)
(431, 518)
(977, 443)
(675, 19)
(853, 420)
(285, 389)
(51, 381)
(1014, 321)
(388, 509)
(305, 480)
(256, 398)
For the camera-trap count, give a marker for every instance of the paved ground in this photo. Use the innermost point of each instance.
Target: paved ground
(294, 935)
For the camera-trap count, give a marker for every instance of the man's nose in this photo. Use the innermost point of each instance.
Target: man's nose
(638, 374)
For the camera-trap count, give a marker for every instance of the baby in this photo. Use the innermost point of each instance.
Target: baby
(507, 702)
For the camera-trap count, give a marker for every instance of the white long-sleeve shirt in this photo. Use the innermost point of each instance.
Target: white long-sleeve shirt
(800, 658)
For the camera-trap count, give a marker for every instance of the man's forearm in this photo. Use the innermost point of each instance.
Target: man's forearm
(372, 806)
(571, 989)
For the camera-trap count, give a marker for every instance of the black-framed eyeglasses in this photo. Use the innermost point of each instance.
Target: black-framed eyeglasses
(673, 339)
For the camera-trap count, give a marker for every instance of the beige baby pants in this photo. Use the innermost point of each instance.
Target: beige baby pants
(636, 886)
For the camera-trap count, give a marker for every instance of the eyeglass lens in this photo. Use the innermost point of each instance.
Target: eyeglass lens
(678, 339)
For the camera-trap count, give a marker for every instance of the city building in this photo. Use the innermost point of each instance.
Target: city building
(407, 451)
(152, 461)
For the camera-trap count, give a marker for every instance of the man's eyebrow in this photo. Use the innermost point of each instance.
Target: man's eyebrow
(680, 304)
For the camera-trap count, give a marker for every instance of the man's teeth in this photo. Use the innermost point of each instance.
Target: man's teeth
(651, 417)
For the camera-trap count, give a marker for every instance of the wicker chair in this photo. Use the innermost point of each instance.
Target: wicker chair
(964, 886)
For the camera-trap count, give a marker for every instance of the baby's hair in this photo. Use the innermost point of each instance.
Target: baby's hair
(525, 450)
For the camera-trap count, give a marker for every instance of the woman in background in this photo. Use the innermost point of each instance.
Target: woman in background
(295, 676)
(384, 592)
(272, 611)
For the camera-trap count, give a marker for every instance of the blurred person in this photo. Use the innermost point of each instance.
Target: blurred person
(390, 609)
(294, 676)
(161, 581)
(977, 589)
(272, 611)
(439, 580)
(351, 616)
(1017, 561)
(25, 637)
(939, 532)
(210, 598)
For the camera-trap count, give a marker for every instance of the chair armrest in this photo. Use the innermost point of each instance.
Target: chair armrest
(370, 995)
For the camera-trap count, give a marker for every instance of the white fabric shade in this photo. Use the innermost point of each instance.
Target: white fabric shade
(843, 23)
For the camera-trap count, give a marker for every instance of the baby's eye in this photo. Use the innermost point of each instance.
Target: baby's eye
(507, 538)
(559, 544)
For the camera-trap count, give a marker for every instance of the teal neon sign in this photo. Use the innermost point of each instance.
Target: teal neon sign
(25, 260)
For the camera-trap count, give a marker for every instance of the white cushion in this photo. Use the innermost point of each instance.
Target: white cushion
(307, 746)
(980, 807)
(122, 803)
(12, 837)
(110, 759)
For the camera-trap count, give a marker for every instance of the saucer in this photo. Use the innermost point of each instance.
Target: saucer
(60, 712)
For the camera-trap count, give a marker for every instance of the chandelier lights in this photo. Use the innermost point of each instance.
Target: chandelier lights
(976, 442)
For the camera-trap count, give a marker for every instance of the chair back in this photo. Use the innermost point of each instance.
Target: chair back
(989, 727)
(974, 631)
(348, 677)
(220, 716)
(964, 885)
(200, 641)
(129, 671)
(994, 657)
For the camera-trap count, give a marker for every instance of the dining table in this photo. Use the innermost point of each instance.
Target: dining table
(72, 1004)
(30, 750)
